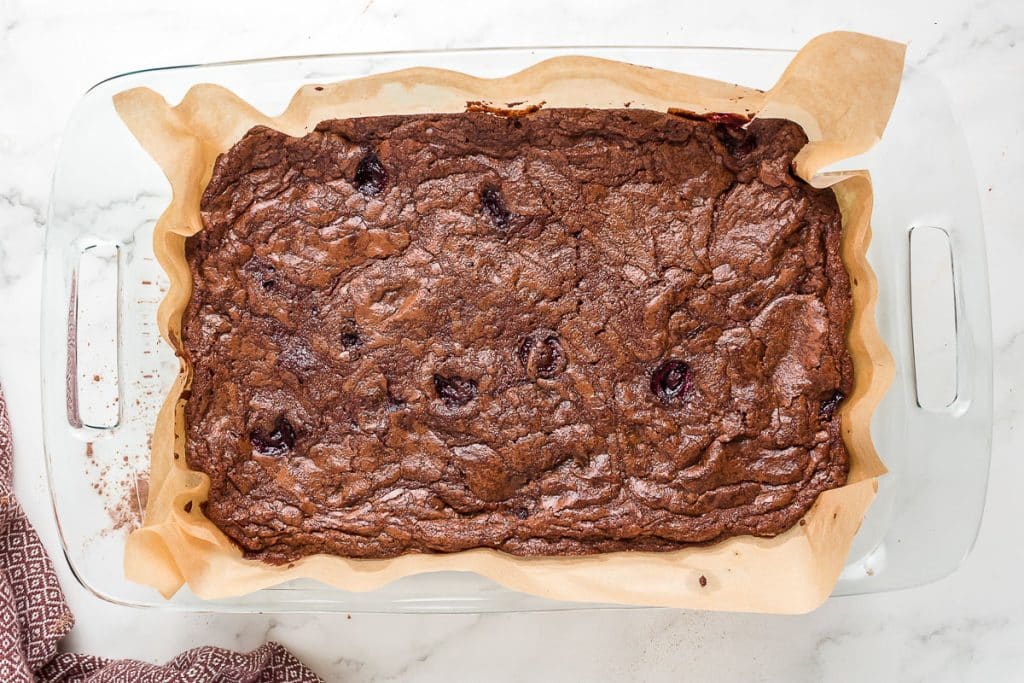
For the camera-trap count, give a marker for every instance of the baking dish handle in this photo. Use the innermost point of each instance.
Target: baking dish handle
(959, 423)
(948, 409)
(92, 377)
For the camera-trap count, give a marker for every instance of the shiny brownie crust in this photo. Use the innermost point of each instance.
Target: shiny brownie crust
(572, 332)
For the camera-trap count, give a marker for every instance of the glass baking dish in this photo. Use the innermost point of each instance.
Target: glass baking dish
(105, 369)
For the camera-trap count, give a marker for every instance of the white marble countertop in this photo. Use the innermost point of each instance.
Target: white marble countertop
(969, 625)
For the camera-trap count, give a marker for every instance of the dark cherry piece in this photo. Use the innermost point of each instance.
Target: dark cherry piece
(392, 403)
(277, 441)
(494, 206)
(350, 334)
(670, 379)
(739, 142)
(454, 391)
(542, 355)
(829, 405)
(370, 175)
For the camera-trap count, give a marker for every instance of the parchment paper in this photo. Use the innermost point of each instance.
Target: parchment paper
(840, 87)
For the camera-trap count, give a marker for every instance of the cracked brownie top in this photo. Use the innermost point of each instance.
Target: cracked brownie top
(571, 332)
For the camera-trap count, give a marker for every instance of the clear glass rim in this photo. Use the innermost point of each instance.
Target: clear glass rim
(451, 51)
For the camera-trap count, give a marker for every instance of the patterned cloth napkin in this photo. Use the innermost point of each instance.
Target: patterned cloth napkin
(34, 617)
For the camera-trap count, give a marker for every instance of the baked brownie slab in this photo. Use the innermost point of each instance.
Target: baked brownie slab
(572, 332)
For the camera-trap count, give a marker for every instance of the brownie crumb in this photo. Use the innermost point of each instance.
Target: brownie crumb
(516, 112)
